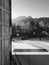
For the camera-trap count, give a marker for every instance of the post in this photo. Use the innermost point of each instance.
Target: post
(5, 25)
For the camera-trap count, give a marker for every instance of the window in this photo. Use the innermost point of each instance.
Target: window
(5, 17)
(3, 60)
(0, 61)
(0, 46)
(6, 4)
(0, 15)
(6, 30)
(7, 43)
(7, 58)
(0, 2)
(0, 30)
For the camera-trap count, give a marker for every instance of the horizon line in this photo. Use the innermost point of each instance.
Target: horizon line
(32, 17)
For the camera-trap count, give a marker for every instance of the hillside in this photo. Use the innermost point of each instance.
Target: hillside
(22, 19)
(19, 19)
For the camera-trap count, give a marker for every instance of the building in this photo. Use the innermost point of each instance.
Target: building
(5, 25)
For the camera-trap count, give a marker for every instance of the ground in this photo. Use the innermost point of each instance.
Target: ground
(29, 46)
(22, 49)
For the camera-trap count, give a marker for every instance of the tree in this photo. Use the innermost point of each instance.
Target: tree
(13, 30)
(18, 29)
(39, 30)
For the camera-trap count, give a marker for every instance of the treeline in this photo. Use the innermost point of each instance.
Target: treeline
(31, 28)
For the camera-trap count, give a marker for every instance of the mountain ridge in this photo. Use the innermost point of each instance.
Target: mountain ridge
(21, 19)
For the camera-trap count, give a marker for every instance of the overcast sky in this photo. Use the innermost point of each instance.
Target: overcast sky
(34, 8)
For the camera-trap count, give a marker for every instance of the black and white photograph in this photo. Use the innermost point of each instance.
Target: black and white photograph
(24, 32)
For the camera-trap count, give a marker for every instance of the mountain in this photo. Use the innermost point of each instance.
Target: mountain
(44, 21)
(19, 19)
